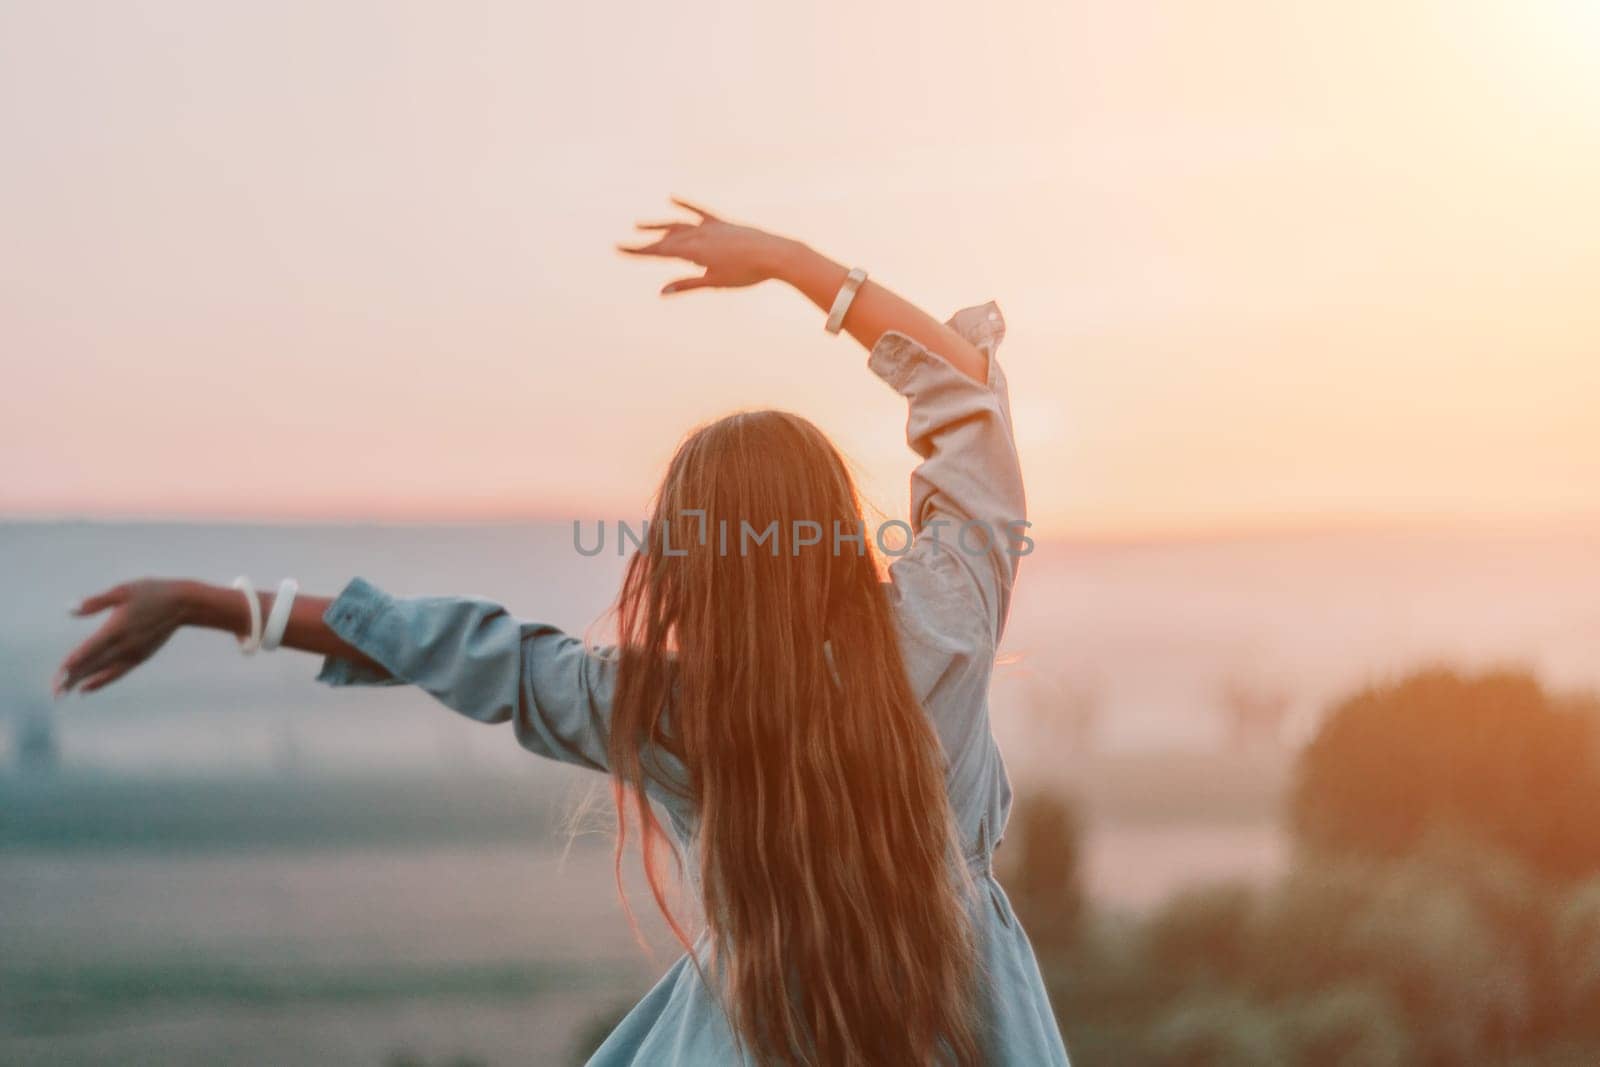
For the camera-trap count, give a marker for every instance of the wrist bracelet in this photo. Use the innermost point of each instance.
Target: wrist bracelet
(847, 294)
(248, 643)
(278, 617)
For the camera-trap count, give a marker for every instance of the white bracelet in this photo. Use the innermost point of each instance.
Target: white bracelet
(252, 641)
(278, 617)
(847, 294)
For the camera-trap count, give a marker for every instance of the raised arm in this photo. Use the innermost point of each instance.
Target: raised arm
(735, 256)
(967, 503)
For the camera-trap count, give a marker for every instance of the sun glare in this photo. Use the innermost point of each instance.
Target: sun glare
(1558, 46)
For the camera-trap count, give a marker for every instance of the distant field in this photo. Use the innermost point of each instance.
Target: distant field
(90, 809)
(271, 920)
(91, 812)
(501, 951)
(86, 811)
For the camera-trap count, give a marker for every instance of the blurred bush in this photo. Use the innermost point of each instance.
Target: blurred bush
(1039, 866)
(1444, 907)
(1576, 963)
(1215, 1031)
(1493, 755)
(1203, 933)
(1342, 962)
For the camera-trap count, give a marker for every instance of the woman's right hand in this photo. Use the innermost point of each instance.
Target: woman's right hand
(143, 615)
(733, 256)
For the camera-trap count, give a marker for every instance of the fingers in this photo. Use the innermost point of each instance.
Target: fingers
(671, 246)
(101, 601)
(101, 679)
(705, 216)
(644, 250)
(89, 657)
(683, 285)
(671, 231)
(86, 652)
(658, 247)
(668, 244)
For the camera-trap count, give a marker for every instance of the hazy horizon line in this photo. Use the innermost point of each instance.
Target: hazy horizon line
(1093, 533)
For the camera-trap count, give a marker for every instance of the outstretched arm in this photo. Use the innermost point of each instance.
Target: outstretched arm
(145, 613)
(469, 654)
(735, 256)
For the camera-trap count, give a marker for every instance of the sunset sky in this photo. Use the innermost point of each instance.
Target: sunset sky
(1262, 262)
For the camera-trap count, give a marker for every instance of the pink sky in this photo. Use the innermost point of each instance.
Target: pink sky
(1262, 262)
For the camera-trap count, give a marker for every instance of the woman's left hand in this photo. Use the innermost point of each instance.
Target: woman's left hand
(143, 615)
(733, 256)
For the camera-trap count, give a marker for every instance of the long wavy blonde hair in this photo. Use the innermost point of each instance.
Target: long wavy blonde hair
(770, 670)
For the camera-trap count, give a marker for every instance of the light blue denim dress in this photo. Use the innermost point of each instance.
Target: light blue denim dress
(950, 594)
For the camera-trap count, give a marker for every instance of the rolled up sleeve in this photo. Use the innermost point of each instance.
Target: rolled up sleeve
(967, 499)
